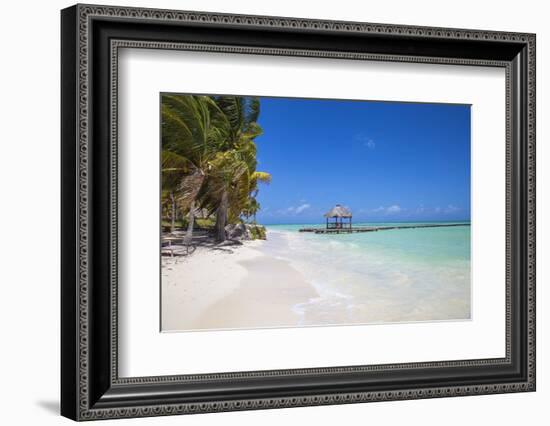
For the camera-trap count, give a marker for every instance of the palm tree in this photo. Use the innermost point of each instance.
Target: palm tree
(209, 156)
(237, 167)
(253, 206)
(226, 189)
(181, 182)
(193, 131)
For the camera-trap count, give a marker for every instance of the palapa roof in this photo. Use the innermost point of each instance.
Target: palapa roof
(338, 211)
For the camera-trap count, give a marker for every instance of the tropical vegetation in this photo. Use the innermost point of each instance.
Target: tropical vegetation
(209, 160)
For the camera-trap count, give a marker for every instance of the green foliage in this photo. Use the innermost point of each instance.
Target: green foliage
(205, 223)
(257, 232)
(209, 156)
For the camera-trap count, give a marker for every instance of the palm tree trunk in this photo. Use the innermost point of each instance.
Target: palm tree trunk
(173, 224)
(221, 217)
(189, 234)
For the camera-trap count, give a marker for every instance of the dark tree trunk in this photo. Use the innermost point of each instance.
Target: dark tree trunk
(221, 217)
(189, 234)
(173, 224)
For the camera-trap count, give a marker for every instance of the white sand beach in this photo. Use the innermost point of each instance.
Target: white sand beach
(231, 287)
(293, 280)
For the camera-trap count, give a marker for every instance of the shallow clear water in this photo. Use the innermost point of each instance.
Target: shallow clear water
(386, 276)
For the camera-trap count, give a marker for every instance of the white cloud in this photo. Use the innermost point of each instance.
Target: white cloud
(365, 141)
(388, 210)
(421, 209)
(292, 210)
(451, 209)
(285, 211)
(302, 207)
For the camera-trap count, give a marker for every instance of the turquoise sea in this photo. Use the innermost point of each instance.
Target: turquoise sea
(420, 274)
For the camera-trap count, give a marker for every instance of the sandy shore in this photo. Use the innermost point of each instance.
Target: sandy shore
(236, 287)
(293, 280)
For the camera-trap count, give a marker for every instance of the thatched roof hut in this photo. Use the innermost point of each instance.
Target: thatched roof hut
(338, 213)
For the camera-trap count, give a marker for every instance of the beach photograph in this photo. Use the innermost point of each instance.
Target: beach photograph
(295, 212)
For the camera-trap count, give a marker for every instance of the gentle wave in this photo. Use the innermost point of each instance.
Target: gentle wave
(412, 275)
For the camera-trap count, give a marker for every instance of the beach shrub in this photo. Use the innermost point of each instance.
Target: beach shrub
(257, 232)
(207, 223)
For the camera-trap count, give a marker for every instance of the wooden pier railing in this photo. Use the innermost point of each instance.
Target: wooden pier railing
(378, 228)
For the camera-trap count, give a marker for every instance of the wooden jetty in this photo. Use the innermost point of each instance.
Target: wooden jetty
(350, 230)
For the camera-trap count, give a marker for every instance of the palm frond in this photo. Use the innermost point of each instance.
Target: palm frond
(209, 153)
(263, 177)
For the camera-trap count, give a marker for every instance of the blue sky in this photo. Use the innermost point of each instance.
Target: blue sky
(386, 161)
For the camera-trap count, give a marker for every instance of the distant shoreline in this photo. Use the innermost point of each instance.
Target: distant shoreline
(372, 223)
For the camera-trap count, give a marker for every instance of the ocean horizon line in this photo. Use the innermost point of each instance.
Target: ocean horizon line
(370, 222)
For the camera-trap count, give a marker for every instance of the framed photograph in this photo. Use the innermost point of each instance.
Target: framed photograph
(264, 212)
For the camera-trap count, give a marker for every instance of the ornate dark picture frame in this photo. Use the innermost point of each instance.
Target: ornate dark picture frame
(90, 386)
